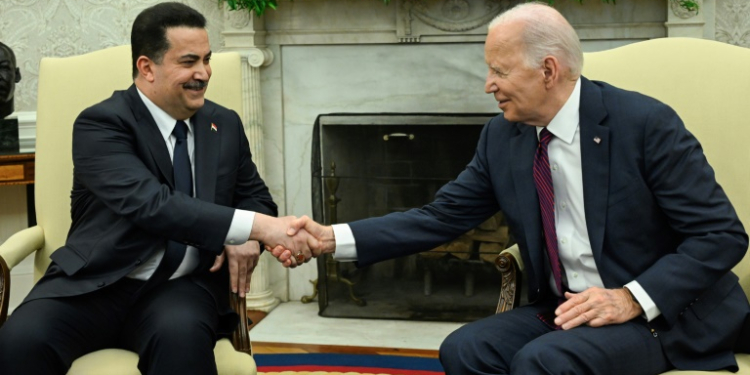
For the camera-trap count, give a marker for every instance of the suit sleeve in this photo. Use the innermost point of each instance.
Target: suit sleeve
(459, 205)
(107, 162)
(712, 239)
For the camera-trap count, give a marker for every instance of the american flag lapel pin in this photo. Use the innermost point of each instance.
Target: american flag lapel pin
(215, 128)
(596, 139)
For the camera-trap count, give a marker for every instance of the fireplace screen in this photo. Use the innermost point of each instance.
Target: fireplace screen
(366, 165)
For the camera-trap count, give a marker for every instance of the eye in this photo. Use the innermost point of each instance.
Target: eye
(498, 73)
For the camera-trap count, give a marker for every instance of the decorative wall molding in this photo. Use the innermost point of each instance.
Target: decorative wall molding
(684, 23)
(241, 35)
(417, 17)
(683, 13)
(733, 22)
(61, 28)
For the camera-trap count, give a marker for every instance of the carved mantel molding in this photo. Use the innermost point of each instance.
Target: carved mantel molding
(681, 12)
(418, 17)
(682, 22)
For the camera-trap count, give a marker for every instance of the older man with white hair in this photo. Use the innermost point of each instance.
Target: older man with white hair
(627, 239)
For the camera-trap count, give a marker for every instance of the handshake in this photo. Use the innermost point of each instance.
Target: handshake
(293, 240)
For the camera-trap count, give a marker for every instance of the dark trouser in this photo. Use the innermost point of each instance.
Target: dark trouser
(518, 342)
(172, 328)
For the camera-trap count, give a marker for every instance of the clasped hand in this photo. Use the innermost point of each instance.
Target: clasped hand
(293, 241)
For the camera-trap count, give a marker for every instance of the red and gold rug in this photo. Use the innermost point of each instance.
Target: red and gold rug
(345, 364)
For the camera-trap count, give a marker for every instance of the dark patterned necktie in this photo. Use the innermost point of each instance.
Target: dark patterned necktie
(546, 192)
(183, 182)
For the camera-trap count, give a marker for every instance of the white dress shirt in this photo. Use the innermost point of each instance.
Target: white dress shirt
(574, 247)
(242, 221)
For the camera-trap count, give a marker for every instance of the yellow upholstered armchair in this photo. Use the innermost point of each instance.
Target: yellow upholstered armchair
(66, 87)
(708, 84)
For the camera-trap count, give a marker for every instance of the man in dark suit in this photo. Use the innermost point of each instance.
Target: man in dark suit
(627, 238)
(152, 250)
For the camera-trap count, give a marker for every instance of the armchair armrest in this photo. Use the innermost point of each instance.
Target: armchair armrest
(510, 265)
(241, 336)
(22, 244)
(12, 252)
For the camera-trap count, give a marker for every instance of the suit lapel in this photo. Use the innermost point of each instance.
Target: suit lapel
(207, 144)
(152, 138)
(524, 145)
(595, 151)
(206, 161)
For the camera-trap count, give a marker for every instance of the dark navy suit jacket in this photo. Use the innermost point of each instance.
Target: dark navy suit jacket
(654, 213)
(123, 204)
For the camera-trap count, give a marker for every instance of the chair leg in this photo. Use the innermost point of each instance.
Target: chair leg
(4, 291)
(241, 335)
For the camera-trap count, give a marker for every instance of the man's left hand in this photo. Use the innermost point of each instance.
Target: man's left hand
(597, 307)
(242, 261)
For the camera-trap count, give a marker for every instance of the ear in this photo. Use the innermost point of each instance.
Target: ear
(550, 70)
(18, 75)
(145, 68)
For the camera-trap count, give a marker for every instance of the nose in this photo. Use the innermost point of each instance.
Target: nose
(202, 72)
(489, 85)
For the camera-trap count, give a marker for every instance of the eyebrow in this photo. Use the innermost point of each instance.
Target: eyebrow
(192, 56)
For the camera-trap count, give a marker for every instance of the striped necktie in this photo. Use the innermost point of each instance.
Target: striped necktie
(546, 193)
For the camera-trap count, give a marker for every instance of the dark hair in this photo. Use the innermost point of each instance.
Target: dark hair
(149, 35)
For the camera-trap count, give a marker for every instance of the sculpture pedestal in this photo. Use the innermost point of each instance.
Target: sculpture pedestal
(9, 135)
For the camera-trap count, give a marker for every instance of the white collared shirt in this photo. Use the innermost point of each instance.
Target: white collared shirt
(567, 179)
(242, 221)
(574, 247)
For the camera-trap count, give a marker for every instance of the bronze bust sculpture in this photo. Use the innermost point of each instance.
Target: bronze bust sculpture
(9, 76)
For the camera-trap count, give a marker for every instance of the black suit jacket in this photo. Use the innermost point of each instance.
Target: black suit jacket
(654, 214)
(123, 204)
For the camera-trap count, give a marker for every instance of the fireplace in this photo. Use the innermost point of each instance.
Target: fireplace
(366, 165)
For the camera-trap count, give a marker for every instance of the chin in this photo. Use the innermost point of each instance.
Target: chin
(510, 117)
(196, 104)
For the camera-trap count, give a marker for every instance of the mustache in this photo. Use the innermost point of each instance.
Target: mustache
(195, 85)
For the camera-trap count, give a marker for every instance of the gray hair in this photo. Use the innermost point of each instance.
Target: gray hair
(546, 32)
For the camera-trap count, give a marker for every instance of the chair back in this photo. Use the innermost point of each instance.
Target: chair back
(708, 84)
(69, 85)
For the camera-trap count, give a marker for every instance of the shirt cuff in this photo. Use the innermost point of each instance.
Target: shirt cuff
(346, 248)
(240, 228)
(650, 310)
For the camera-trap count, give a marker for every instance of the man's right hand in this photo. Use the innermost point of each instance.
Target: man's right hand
(324, 235)
(285, 232)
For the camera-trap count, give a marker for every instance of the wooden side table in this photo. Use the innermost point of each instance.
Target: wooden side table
(17, 169)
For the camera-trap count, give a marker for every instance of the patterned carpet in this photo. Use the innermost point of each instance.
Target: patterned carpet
(345, 364)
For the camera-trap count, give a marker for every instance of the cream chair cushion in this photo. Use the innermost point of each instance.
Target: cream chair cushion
(123, 362)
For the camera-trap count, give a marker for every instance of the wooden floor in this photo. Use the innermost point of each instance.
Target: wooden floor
(279, 348)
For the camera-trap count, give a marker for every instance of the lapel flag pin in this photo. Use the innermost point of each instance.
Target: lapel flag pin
(214, 128)
(596, 139)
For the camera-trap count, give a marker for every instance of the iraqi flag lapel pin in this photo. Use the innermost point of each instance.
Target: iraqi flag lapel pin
(214, 128)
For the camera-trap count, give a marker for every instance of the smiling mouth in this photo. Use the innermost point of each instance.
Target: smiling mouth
(195, 86)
